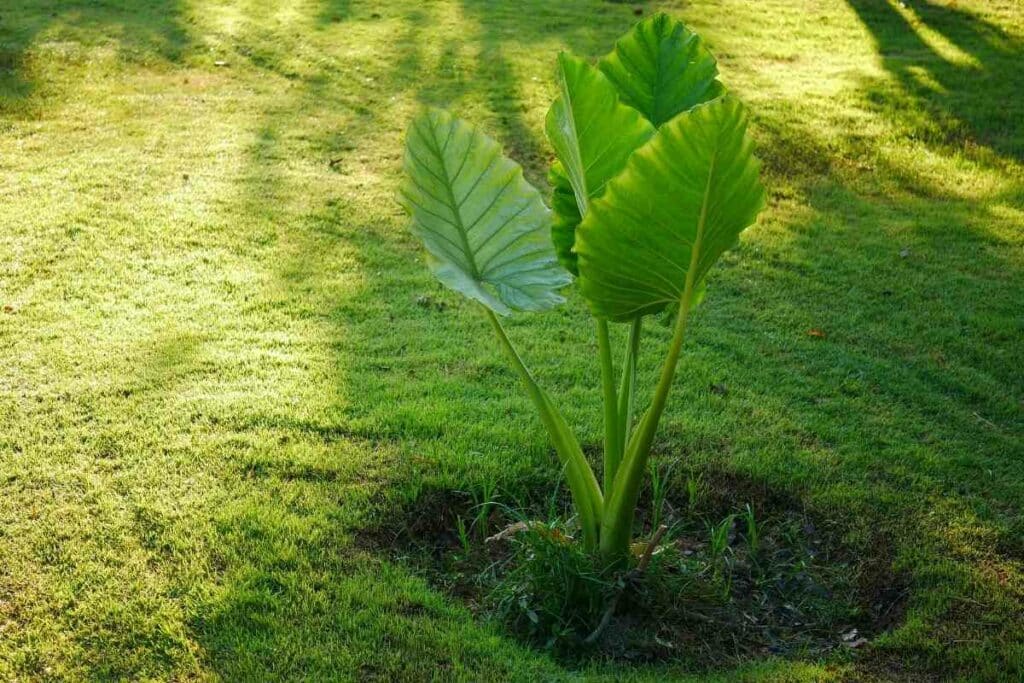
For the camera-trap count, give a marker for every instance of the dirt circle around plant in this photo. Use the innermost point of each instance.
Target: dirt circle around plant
(744, 574)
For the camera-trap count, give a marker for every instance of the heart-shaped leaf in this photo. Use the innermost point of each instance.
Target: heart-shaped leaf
(661, 69)
(681, 201)
(486, 230)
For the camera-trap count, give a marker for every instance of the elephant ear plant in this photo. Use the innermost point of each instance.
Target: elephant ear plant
(655, 178)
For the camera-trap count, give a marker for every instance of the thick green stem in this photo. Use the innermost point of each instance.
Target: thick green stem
(612, 440)
(620, 504)
(627, 387)
(583, 486)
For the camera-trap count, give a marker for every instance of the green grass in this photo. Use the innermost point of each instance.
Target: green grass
(220, 348)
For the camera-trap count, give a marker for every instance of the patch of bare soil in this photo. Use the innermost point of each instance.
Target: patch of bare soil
(729, 582)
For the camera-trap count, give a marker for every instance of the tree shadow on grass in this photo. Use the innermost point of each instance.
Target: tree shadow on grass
(966, 93)
(911, 287)
(140, 32)
(885, 318)
(873, 371)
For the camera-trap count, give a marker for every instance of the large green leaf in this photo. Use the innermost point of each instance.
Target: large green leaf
(592, 132)
(661, 68)
(681, 201)
(566, 215)
(486, 230)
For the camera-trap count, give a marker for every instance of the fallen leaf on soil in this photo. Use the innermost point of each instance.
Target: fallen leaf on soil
(520, 527)
(510, 530)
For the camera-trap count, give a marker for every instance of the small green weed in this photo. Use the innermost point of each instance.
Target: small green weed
(551, 591)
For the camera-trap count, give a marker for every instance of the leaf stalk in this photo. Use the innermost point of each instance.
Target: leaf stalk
(613, 443)
(620, 509)
(583, 486)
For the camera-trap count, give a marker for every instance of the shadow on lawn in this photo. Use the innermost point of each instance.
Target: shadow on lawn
(948, 97)
(915, 385)
(294, 585)
(915, 390)
(141, 31)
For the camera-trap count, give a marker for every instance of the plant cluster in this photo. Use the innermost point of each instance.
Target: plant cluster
(724, 580)
(655, 178)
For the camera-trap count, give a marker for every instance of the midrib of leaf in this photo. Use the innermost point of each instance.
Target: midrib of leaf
(691, 277)
(699, 237)
(660, 87)
(455, 207)
(582, 201)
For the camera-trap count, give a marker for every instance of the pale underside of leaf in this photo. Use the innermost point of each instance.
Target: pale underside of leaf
(695, 184)
(486, 230)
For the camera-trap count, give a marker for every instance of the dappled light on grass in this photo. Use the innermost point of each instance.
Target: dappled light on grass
(945, 61)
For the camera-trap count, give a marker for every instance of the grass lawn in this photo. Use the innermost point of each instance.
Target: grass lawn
(223, 359)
